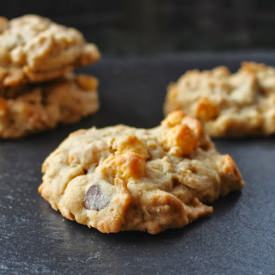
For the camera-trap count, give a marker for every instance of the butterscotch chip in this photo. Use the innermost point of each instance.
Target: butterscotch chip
(127, 166)
(41, 107)
(121, 178)
(3, 23)
(229, 104)
(206, 110)
(35, 49)
(87, 82)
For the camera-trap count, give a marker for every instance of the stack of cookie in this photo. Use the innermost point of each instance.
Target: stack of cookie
(38, 89)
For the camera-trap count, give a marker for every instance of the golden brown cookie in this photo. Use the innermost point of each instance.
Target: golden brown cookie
(229, 104)
(35, 49)
(41, 107)
(121, 178)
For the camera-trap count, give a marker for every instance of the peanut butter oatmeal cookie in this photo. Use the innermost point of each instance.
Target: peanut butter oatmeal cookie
(35, 49)
(229, 104)
(121, 178)
(41, 107)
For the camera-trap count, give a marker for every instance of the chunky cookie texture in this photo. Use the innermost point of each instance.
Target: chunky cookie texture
(35, 49)
(229, 104)
(39, 107)
(121, 178)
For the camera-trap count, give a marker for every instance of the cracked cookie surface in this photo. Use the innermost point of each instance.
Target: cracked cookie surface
(40, 107)
(35, 49)
(229, 104)
(122, 178)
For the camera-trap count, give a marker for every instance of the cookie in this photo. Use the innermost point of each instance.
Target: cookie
(41, 107)
(229, 104)
(121, 178)
(35, 49)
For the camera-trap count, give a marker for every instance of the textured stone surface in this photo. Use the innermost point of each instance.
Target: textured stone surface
(237, 239)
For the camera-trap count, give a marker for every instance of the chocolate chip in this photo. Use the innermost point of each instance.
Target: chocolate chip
(95, 199)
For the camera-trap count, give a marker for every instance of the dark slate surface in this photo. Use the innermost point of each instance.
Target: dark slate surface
(238, 239)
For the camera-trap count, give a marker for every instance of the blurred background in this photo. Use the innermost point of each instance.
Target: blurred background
(128, 27)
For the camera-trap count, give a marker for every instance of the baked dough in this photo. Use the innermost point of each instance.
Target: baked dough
(35, 49)
(229, 104)
(36, 108)
(122, 178)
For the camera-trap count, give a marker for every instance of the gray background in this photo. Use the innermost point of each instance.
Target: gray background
(147, 27)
